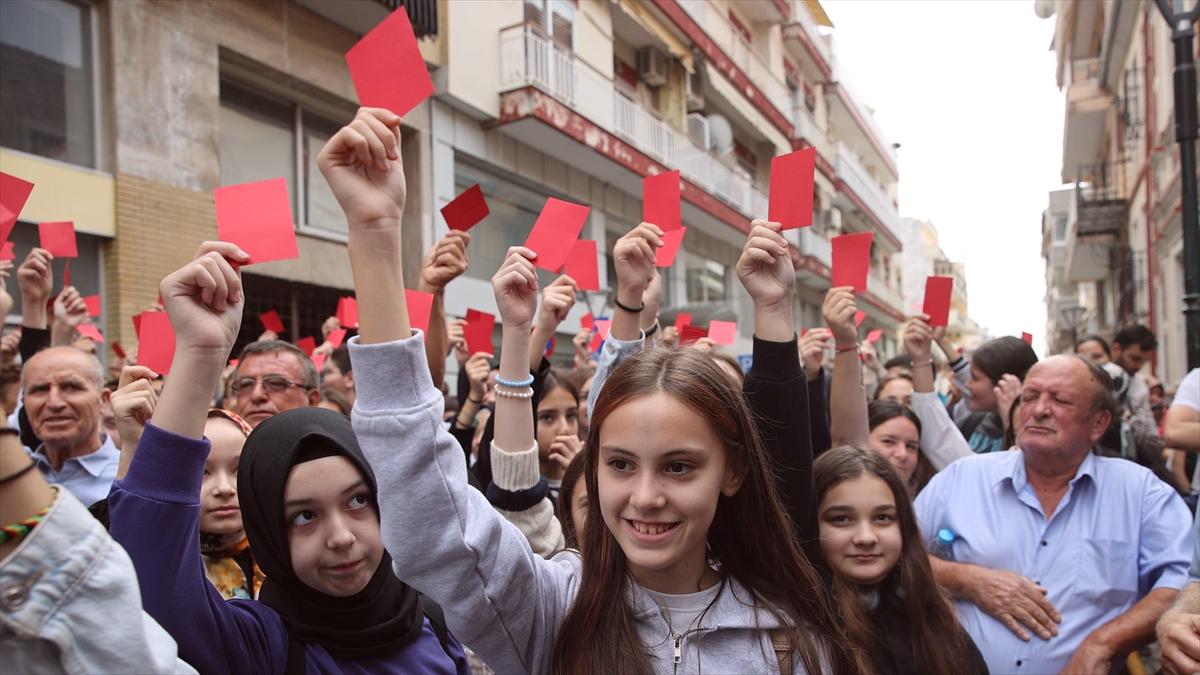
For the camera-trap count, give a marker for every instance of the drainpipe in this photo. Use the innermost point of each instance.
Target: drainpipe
(1147, 168)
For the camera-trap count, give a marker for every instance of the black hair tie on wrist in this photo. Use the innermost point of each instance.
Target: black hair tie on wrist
(627, 308)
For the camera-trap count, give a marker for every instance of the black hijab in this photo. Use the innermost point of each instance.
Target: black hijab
(377, 620)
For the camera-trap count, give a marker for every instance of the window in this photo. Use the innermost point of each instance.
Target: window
(553, 18)
(48, 79)
(1060, 228)
(746, 158)
(707, 280)
(259, 135)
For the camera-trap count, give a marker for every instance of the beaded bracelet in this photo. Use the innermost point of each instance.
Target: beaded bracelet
(505, 393)
(514, 384)
(19, 530)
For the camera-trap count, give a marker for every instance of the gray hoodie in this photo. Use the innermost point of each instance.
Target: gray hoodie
(500, 598)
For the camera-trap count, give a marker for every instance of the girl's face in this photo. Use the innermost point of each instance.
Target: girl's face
(579, 506)
(860, 534)
(584, 391)
(899, 390)
(897, 441)
(219, 511)
(1092, 351)
(661, 468)
(333, 526)
(557, 415)
(983, 399)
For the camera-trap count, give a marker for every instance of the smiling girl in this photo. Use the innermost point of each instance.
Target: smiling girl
(871, 552)
(684, 569)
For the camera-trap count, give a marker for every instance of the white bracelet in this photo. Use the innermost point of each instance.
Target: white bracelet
(506, 393)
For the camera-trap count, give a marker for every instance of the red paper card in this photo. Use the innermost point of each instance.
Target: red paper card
(13, 194)
(58, 239)
(156, 341)
(387, 67)
(804, 331)
(88, 330)
(337, 337)
(118, 350)
(478, 332)
(271, 321)
(318, 359)
(682, 319)
(466, 210)
(307, 345)
(602, 328)
(420, 305)
(1027, 337)
(93, 305)
(581, 265)
(596, 343)
(722, 332)
(690, 334)
(347, 312)
(874, 335)
(859, 317)
(7, 252)
(660, 201)
(791, 196)
(852, 260)
(587, 321)
(555, 232)
(665, 255)
(66, 273)
(937, 299)
(258, 218)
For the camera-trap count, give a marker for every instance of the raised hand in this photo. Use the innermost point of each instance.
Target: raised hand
(917, 338)
(633, 258)
(765, 267)
(839, 310)
(133, 404)
(1007, 390)
(445, 262)
(69, 312)
(362, 165)
(456, 340)
(812, 346)
(204, 300)
(557, 300)
(515, 285)
(478, 368)
(10, 345)
(35, 279)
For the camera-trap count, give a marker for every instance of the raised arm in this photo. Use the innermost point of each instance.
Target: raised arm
(941, 441)
(776, 389)
(133, 404)
(847, 397)
(155, 510)
(443, 263)
(557, 300)
(444, 536)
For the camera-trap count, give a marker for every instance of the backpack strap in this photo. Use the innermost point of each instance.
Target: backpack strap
(783, 649)
(437, 621)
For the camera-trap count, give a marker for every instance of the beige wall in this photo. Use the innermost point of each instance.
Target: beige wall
(473, 51)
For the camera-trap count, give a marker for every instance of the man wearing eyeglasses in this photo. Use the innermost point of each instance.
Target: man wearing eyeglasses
(273, 376)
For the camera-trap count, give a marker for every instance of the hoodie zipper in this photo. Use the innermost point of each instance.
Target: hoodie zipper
(677, 638)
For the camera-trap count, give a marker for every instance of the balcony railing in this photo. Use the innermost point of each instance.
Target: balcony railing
(813, 244)
(851, 172)
(529, 59)
(889, 294)
(801, 16)
(1085, 69)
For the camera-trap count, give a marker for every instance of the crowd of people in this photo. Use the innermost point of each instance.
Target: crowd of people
(649, 507)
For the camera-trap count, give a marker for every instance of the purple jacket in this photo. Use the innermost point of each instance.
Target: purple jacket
(155, 515)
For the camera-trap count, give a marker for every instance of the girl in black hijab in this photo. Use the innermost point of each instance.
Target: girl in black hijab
(331, 603)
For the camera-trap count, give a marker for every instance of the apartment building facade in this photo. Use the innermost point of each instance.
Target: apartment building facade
(140, 108)
(1121, 244)
(923, 256)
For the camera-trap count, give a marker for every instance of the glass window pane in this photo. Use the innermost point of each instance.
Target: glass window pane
(706, 279)
(256, 138)
(46, 76)
(321, 208)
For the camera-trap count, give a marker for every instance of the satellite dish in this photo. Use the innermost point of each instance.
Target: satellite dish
(720, 134)
(1044, 8)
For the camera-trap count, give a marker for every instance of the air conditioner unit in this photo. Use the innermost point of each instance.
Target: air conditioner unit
(652, 66)
(698, 131)
(695, 87)
(833, 219)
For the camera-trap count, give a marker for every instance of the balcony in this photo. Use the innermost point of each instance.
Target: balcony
(1097, 220)
(807, 128)
(1086, 116)
(851, 172)
(814, 245)
(854, 122)
(804, 41)
(528, 59)
(886, 293)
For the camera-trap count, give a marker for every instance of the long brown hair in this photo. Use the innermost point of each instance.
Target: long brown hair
(939, 643)
(749, 535)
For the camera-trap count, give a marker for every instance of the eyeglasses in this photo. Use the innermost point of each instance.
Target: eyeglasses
(272, 384)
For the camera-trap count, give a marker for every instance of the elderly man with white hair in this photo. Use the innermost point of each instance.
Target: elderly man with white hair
(1062, 560)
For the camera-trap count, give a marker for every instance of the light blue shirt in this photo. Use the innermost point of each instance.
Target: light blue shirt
(88, 477)
(1118, 533)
